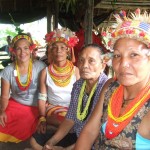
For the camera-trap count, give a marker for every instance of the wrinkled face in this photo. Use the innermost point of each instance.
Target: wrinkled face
(59, 52)
(22, 50)
(130, 62)
(90, 63)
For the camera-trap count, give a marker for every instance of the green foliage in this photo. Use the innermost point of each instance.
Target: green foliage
(4, 33)
(11, 33)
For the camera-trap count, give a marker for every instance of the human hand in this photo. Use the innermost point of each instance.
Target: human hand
(58, 148)
(41, 127)
(50, 147)
(3, 119)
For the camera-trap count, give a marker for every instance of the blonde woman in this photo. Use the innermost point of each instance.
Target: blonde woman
(19, 93)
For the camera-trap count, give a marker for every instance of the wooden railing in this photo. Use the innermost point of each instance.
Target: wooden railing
(3, 56)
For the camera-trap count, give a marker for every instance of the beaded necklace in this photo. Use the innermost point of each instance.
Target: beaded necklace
(61, 75)
(116, 122)
(82, 115)
(24, 86)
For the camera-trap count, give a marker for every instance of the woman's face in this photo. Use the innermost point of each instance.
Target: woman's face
(22, 50)
(90, 64)
(59, 52)
(130, 62)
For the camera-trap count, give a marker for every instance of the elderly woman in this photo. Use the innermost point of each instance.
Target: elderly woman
(126, 112)
(84, 96)
(56, 80)
(19, 90)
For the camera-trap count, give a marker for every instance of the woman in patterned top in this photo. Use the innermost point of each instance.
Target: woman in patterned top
(126, 111)
(84, 96)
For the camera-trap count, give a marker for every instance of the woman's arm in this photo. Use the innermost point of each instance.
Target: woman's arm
(5, 93)
(71, 147)
(42, 98)
(91, 130)
(43, 90)
(62, 131)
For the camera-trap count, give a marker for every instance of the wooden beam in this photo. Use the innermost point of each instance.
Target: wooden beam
(109, 4)
(56, 15)
(89, 21)
(49, 16)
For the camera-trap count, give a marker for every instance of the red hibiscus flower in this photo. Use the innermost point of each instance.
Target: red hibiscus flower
(103, 34)
(33, 46)
(73, 41)
(142, 34)
(49, 36)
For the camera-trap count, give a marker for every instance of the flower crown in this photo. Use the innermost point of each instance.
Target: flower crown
(136, 27)
(64, 35)
(22, 36)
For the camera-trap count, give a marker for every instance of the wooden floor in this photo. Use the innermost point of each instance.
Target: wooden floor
(14, 146)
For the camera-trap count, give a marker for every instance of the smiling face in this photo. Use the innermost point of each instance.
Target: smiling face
(130, 62)
(59, 52)
(90, 63)
(22, 50)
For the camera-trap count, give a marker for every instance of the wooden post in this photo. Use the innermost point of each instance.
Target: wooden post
(89, 21)
(56, 15)
(49, 16)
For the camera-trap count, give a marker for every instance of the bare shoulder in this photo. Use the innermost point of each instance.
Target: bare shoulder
(43, 75)
(147, 118)
(106, 85)
(144, 128)
(103, 91)
(43, 72)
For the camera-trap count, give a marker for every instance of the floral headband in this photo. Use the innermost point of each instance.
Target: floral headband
(22, 36)
(64, 35)
(136, 27)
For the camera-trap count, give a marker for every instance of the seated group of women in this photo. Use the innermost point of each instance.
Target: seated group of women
(35, 97)
(80, 104)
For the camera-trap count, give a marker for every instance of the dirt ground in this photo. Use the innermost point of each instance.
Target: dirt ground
(14, 146)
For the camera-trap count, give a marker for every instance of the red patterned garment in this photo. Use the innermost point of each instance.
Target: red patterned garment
(21, 122)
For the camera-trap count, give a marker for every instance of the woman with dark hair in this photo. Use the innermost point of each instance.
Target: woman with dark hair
(123, 121)
(56, 80)
(84, 97)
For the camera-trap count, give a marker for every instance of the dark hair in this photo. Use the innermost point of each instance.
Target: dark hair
(94, 46)
(8, 37)
(46, 52)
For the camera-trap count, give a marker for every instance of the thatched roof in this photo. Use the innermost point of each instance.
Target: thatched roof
(24, 11)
